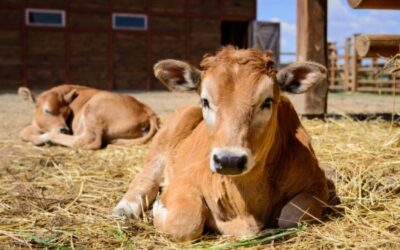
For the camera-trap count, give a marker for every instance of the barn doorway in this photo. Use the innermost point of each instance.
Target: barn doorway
(234, 33)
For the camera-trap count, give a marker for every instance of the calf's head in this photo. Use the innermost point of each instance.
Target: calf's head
(239, 93)
(52, 109)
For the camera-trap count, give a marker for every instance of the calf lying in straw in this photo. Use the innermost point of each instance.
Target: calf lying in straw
(241, 162)
(83, 117)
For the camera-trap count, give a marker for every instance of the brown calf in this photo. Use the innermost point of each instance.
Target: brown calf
(93, 118)
(239, 163)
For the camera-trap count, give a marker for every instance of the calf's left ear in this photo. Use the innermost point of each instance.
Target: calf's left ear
(177, 75)
(301, 76)
(26, 94)
(70, 96)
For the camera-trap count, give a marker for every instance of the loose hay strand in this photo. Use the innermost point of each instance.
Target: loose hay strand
(55, 197)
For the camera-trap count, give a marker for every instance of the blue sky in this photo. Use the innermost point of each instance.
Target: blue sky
(343, 21)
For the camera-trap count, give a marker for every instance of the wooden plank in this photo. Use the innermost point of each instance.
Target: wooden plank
(375, 4)
(235, 7)
(375, 82)
(79, 20)
(131, 5)
(378, 90)
(346, 66)
(371, 45)
(203, 7)
(168, 24)
(167, 6)
(312, 45)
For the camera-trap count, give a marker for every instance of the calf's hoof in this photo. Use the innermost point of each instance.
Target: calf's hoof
(127, 209)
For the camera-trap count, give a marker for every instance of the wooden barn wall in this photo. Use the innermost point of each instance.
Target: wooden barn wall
(10, 49)
(45, 58)
(88, 51)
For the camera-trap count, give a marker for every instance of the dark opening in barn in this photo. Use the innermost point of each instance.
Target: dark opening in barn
(234, 33)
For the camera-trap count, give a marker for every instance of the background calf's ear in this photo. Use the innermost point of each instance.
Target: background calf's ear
(301, 76)
(70, 96)
(177, 75)
(26, 94)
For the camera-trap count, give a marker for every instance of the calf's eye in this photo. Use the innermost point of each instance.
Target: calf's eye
(205, 103)
(48, 112)
(267, 103)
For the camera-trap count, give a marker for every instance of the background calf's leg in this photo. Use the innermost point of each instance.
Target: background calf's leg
(88, 140)
(32, 134)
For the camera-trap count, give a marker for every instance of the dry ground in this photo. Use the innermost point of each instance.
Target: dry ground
(60, 198)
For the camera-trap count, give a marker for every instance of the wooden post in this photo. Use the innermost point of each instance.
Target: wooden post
(354, 66)
(312, 45)
(346, 66)
(332, 55)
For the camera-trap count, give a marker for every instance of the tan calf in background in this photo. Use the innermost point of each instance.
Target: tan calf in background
(88, 118)
(239, 163)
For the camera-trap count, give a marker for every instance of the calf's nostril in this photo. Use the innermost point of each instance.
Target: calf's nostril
(216, 159)
(242, 162)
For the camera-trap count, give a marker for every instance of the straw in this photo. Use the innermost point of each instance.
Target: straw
(61, 198)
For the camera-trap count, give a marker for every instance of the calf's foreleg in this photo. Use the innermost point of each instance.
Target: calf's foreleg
(143, 189)
(180, 212)
(32, 134)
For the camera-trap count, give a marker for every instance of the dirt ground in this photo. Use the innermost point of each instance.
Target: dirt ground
(15, 113)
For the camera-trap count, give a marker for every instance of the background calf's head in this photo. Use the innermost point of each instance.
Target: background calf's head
(52, 109)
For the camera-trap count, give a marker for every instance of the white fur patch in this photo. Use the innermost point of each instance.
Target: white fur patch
(160, 212)
(188, 77)
(46, 108)
(43, 138)
(128, 209)
(209, 114)
(264, 90)
(231, 151)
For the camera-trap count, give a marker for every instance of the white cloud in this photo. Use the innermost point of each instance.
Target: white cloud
(343, 21)
(288, 35)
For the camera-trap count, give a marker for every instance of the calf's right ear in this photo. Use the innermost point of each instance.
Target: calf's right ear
(177, 75)
(26, 94)
(301, 76)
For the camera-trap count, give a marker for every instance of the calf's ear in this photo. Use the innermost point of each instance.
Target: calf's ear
(301, 76)
(70, 96)
(26, 94)
(177, 75)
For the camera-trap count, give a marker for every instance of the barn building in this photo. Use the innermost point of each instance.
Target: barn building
(113, 44)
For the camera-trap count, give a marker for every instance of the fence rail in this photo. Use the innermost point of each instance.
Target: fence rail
(348, 71)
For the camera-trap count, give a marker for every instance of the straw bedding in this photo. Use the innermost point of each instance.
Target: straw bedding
(61, 198)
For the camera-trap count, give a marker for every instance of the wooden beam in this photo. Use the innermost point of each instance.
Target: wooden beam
(346, 66)
(354, 66)
(377, 45)
(312, 46)
(375, 4)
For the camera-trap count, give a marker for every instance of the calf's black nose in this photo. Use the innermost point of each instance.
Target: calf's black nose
(64, 130)
(230, 164)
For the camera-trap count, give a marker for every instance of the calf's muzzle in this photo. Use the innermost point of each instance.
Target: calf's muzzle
(228, 162)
